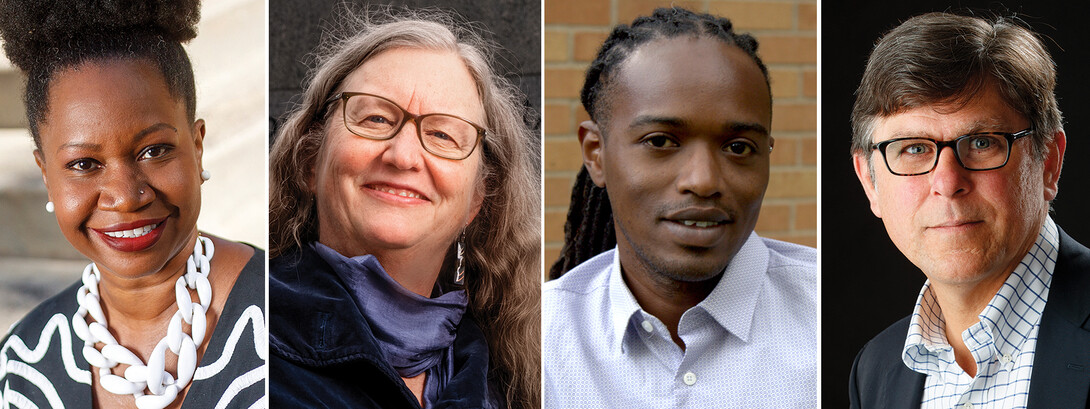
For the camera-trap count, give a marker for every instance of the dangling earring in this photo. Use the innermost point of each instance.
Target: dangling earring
(49, 206)
(460, 270)
(205, 175)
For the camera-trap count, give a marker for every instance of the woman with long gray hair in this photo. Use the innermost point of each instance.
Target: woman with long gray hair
(404, 227)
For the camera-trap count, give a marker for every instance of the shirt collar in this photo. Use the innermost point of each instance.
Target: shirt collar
(1005, 321)
(731, 303)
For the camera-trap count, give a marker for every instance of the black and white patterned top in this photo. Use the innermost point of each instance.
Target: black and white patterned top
(42, 364)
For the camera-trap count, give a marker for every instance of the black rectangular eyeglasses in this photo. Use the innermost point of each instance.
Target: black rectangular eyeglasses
(977, 151)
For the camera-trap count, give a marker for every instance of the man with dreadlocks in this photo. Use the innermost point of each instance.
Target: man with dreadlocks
(691, 308)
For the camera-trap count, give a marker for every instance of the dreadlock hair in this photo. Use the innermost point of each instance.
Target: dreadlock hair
(588, 230)
(43, 38)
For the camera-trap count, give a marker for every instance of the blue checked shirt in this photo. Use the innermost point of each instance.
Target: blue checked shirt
(752, 343)
(1002, 343)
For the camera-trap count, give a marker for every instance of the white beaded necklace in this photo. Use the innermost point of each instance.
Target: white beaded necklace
(164, 388)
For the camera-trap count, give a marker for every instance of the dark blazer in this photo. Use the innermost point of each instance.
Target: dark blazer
(323, 354)
(1061, 365)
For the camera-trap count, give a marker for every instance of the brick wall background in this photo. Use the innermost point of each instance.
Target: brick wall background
(787, 33)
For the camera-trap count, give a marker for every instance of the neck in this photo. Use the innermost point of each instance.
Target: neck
(665, 298)
(961, 306)
(145, 298)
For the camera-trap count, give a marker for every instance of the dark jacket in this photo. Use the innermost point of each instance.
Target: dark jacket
(323, 354)
(1061, 364)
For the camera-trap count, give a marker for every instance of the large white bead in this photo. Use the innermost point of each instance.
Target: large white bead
(209, 249)
(137, 373)
(158, 401)
(156, 362)
(204, 292)
(187, 362)
(91, 303)
(118, 353)
(100, 333)
(200, 324)
(119, 385)
(174, 332)
(94, 357)
(79, 326)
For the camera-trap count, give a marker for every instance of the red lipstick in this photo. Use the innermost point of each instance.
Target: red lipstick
(132, 236)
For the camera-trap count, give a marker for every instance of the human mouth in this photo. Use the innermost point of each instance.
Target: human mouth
(700, 224)
(698, 227)
(132, 236)
(129, 234)
(400, 194)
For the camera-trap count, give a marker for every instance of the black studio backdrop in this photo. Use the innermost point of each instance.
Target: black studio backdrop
(867, 284)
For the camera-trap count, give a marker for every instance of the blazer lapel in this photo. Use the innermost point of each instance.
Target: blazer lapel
(1061, 365)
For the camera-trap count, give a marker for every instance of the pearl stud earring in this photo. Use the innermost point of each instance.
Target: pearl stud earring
(205, 175)
(49, 206)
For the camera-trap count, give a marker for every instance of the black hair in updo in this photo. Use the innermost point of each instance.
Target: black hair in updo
(589, 230)
(43, 38)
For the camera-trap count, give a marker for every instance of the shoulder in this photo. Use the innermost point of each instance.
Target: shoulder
(792, 270)
(37, 319)
(782, 254)
(885, 347)
(576, 287)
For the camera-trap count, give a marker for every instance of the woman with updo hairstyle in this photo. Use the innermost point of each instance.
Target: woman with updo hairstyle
(404, 225)
(164, 315)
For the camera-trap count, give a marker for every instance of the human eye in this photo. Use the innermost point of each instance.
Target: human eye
(659, 141)
(917, 148)
(82, 165)
(982, 142)
(740, 148)
(155, 151)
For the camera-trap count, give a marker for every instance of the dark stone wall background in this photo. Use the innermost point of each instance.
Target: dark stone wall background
(295, 27)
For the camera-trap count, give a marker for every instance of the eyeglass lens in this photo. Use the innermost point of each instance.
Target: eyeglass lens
(442, 135)
(975, 152)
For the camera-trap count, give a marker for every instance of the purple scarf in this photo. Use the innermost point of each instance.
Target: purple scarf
(415, 333)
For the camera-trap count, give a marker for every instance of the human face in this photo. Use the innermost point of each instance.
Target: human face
(379, 196)
(684, 155)
(963, 227)
(118, 153)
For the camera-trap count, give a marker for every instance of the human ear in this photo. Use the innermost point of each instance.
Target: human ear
(1054, 161)
(198, 143)
(40, 160)
(863, 172)
(590, 139)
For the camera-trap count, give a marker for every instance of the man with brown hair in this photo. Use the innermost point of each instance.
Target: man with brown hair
(1004, 318)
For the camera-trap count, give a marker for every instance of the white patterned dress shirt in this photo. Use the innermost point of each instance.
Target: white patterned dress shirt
(752, 343)
(1003, 342)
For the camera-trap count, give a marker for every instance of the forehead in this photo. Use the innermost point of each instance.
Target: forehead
(420, 80)
(985, 111)
(692, 78)
(101, 97)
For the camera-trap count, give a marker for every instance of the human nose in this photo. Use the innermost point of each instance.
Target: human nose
(125, 189)
(949, 178)
(700, 173)
(404, 150)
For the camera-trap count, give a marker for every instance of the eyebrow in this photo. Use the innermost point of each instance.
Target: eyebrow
(137, 137)
(975, 127)
(730, 127)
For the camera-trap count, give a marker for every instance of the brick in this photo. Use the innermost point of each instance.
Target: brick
(807, 17)
(809, 151)
(794, 117)
(554, 225)
(785, 83)
(577, 12)
(558, 190)
(809, 84)
(556, 46)
(563, 82)
(785, 152)
(581, 115)
(551, 255)
(792, 184)
(756, 16)
(628, 10)
(805, 239)
(563, 154)
(806, 216)
(558, 119)
(587, 44)
(774, 218)
(787, 49)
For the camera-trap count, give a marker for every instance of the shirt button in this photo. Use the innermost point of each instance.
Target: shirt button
(967, 406)
(689, 378)
(1006, 358)
(647, 326)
